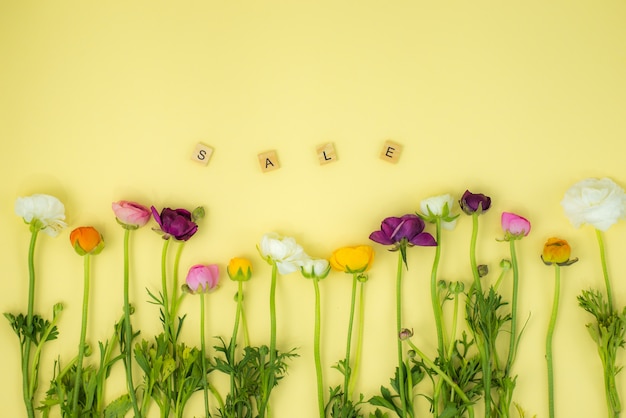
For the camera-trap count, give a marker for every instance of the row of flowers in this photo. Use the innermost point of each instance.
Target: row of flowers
(473, 362)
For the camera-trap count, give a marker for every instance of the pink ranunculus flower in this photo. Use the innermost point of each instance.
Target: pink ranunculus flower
(514, 226)
(203, 278)
(131, 215)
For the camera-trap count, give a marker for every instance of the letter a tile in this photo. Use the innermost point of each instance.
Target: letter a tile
(268, 161)
(391, 152)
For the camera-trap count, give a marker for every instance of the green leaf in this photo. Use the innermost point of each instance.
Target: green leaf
(118, 408)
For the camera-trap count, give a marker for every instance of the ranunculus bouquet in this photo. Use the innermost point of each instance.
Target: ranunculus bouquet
(470, 366)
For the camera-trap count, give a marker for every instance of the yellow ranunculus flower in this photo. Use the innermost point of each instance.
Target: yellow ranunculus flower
(352, 259)
(239, 269)
(556, 251)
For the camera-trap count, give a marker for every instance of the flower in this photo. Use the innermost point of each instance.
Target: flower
(86, 240)
(43, 212)
(283, 251)
(401, 231)
(177, 223)
(131, 215)
(352, 259)
(202, 278)
(474, 203)
(598, 202)
(439, 207)
(557, 251)
(514, 226)
(239, 269)
(315, 268)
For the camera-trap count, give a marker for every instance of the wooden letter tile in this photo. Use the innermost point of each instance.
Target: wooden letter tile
(391, 152)
(326, 153)
(202, 153)
(268, 161)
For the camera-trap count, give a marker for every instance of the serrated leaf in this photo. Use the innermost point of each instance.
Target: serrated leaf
(119, 407)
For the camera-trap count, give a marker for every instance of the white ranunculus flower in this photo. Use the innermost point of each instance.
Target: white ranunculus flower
(597, 202)
(284, 251)
(315, 268)
(440, 206)
(42, 211)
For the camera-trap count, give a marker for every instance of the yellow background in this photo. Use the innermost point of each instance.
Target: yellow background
(102, 101)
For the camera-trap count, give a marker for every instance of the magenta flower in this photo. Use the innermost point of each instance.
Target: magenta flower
(474, 202)
(203, 278)
(177, 223)
(514, 226)
(409, 229)
(131, 215)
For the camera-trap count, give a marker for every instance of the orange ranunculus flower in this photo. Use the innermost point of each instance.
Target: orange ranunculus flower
(239, 269)
(557, 251)
(86, 240)
(352, 259)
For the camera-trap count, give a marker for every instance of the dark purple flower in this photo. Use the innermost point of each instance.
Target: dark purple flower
(474, 203)
(177, 223)
(409, 229)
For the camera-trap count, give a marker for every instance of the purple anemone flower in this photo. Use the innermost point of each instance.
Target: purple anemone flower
(175, 223)
(407, 229)
(474, 202)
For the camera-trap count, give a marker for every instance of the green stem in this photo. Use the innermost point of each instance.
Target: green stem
(359, 340)
(434, 294)
(549, 337)
(233, 339)
(437, 311)
(128, 328)
(175, 287)
(605, 272)
(35, 365)
(26, 385)
(445, 377)
(401, 387)
(203, 354)
(513, 339)
(83, 333)
(316, 350)
(347, 368)
(166, 311)
(473, 263)
(267, 379)
(273, 314)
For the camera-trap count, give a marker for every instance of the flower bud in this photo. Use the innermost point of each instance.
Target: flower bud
(131, 215)
(483, 270)
(505, 264)
(405, 334)
(239, 269)
(86, 240)
(514, 226)
(474, 203)
(202, 278)
(557, 251)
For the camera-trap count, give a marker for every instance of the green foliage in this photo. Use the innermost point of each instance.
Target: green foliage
(608, 333)
(340, 407)
(392, 401)
(40, 329)
(171, 373)
(252, 377)
(91, 388)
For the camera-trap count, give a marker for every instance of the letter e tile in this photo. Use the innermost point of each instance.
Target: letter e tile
(202, 153)
(326, 153)
(391, 152)
(268, 161)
